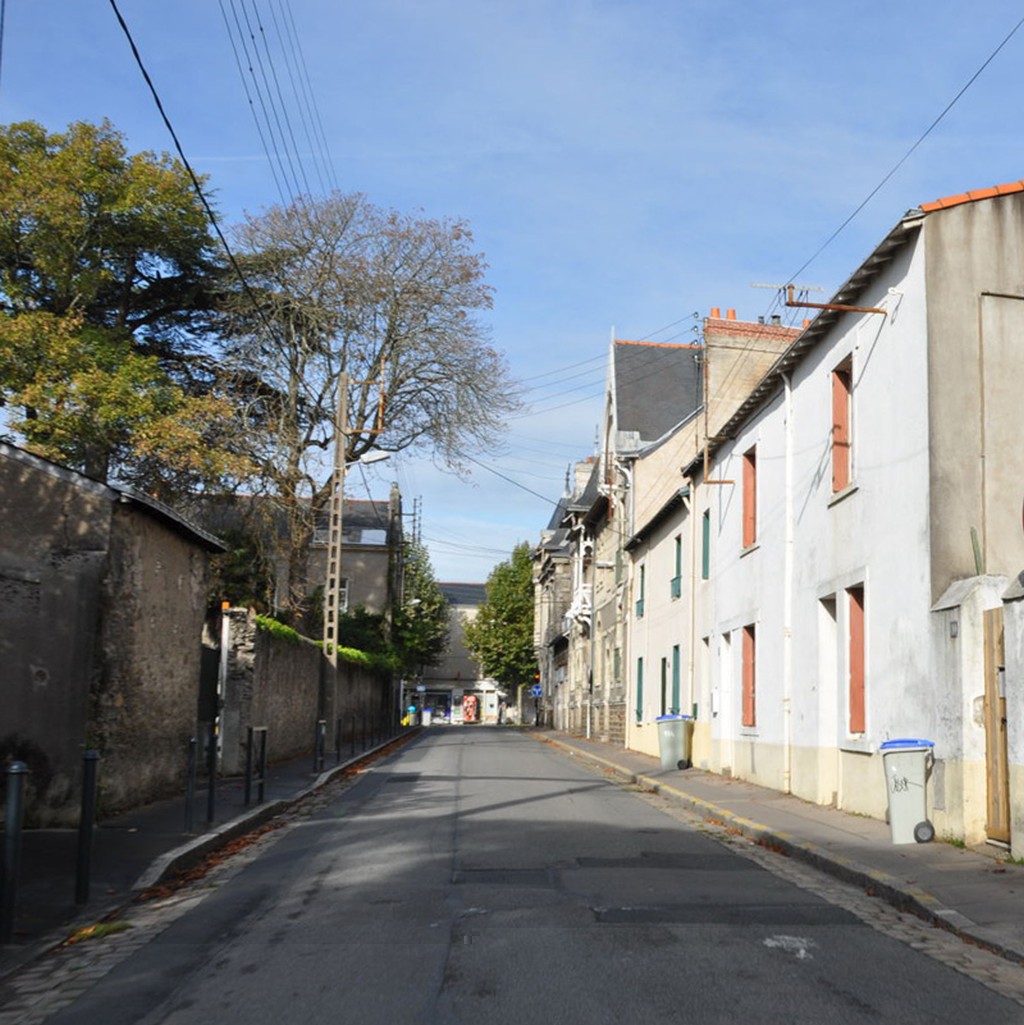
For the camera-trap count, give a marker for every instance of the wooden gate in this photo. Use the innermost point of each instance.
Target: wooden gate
(996, 771)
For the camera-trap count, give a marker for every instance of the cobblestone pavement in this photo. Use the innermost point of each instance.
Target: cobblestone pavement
(66, 972)
(60, 977)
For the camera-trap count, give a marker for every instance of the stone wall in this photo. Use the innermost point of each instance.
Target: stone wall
(143, 702)
(287, 685)
(102, 595)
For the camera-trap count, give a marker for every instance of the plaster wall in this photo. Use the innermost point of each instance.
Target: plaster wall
(975, 273)
(813, 546)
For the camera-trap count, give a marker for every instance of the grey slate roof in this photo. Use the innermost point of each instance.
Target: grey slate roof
(463, 594)
(656, 386)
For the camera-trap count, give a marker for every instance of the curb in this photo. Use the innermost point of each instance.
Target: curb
(880, 884)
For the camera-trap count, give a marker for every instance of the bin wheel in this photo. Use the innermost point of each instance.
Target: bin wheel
(924, 832)
(684, 763)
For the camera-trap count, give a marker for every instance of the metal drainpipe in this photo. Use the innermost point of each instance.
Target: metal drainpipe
(787, 600)
(593, 632)
(691, 667)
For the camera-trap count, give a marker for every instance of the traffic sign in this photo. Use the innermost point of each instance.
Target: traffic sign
(536, 691)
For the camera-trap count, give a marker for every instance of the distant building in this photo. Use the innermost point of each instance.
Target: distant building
(456, 691)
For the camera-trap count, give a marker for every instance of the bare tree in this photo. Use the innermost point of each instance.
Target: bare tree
(389, 299)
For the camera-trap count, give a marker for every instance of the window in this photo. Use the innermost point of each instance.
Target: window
(749, 676)
(856, 707)
(842, 395)
(677, 580)
(639, 690)
(675, 679)
(641, 581)
(749, 497)
(705, 558)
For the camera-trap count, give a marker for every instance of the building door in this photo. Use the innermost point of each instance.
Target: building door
(996, 771)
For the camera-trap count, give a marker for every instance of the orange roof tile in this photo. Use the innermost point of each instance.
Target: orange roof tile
(971, 197)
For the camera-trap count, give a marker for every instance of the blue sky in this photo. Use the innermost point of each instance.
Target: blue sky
(624, 164)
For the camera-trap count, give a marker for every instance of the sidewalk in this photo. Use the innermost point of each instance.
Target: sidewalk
(134, 851)
(970, 891)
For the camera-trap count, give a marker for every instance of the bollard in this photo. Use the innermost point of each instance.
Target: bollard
(211, 775)
(255, 763)
(319, 742)
(190, 785)
(86, 822)
(16, 773)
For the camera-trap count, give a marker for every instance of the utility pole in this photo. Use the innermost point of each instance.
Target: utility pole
(332, 584)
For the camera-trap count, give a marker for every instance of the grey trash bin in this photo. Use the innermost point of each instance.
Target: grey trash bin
(906, 763)
(674, 741)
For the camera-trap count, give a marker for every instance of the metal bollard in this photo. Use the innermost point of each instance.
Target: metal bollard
(86, 822)
(190, 785)
(16, 773)
(319, 743)
(211, 775)
(256, 763)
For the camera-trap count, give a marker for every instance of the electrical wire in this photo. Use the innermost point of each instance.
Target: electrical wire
(3, 17)
(185, 162)
(899, 163)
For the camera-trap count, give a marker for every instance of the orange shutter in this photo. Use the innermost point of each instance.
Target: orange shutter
(857, 717)
(749, 677)
(749, 498)
(840, 428)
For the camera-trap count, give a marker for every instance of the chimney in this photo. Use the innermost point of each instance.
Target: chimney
(716, 313)
(776, 318)
(730, 314)
(807, 323)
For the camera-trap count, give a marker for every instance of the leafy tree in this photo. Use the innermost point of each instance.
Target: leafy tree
(420, 629)
(338, 287)
(500, 636)
(106, 263)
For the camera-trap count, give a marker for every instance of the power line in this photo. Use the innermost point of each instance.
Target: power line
(899, 163)
(181, 154)
(3, 14)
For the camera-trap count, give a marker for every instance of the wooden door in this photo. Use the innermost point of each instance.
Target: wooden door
(996, 771)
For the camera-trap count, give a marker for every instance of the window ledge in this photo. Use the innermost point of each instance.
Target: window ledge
(750, 548)
(857, 746)
(749, 731)
(839, 496)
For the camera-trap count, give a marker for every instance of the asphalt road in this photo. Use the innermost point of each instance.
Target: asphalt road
(479, 876)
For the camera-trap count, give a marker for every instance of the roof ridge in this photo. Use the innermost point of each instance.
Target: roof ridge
(659, 345)
(973, 196)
